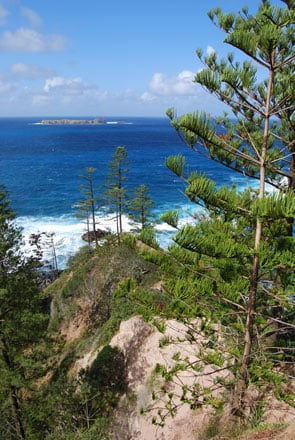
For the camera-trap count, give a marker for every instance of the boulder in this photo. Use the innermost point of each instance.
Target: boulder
(90, 236)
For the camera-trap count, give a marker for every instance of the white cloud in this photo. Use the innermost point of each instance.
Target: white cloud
(28, 40)
(40, 100)
(181, 85)
(210, 50)
(147, 97)
(3, 14)
(32, 16)
(29, 71)
(67, 90)
(5, 87)
(69, 96)
(67, 86)
(127, 94)
(58, 95)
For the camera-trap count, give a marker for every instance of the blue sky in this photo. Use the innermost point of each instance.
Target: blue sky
(106, 58)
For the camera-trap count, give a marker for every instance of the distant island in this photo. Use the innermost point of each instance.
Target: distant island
(73, 121)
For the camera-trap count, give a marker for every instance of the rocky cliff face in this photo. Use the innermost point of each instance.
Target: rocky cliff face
(143, 348)
(141, 344)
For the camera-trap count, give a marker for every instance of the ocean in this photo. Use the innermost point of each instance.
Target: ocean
(41, 166)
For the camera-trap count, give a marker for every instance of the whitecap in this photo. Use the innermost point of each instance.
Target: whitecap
(63, 234)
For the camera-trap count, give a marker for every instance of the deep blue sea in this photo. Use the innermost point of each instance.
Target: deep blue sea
(41, 166)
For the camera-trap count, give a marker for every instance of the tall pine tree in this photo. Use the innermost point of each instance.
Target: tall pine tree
(247, 242)
(141, 205)
(116, 191)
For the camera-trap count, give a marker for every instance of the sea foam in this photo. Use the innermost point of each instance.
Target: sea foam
(62, 235)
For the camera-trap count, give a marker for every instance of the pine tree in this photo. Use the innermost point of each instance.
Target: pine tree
(82, 212)
(22, 320)
(116, 192)
(88, 206)
(246, 241)
(141, 205)
(267, 39)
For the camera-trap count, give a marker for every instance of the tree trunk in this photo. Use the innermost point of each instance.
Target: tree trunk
(290, 220)
(243, 380)
(93, 216)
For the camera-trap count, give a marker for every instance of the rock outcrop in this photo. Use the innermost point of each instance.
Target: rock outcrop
(91, 235)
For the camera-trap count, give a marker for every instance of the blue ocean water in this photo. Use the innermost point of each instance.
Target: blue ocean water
(41, 166)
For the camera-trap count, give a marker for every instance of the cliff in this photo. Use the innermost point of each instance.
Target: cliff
(113, 298)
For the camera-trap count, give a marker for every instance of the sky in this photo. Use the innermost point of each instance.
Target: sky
(107, 58)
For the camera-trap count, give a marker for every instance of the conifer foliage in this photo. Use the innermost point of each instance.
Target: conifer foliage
(141, 205)
(22, 323)
(116, 192)
(246, 244)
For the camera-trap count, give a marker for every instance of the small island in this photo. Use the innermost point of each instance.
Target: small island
(95, 121)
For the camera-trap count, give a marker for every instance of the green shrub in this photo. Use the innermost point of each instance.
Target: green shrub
(148, 236)
(129, 240)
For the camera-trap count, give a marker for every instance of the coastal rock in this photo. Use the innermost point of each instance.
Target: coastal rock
(91, 235)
